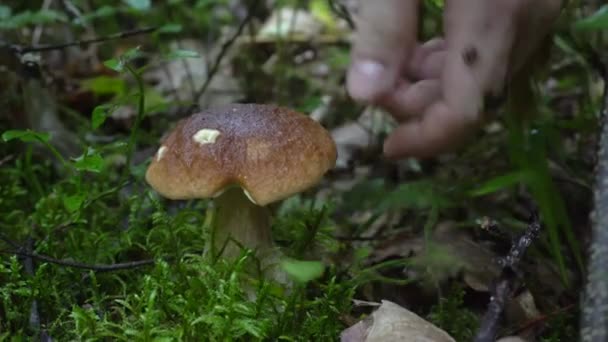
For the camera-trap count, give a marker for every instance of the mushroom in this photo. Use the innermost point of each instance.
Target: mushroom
(245, 157)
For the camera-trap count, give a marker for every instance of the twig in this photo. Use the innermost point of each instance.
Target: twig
(504, 286)
(184, 63)
(41, 48)
(28, 265)
(519, 248)
(80, 265)
(6, 159)
(342, 11)
(8, 241)
(131, 144)
(223, 50)
(38, 30)
(501, 292)
(357, 238)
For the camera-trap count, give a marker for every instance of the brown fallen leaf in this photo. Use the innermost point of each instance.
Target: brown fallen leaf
(521, 310)
(449, 252)
(391, 322)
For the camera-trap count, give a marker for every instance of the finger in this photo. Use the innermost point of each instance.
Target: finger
(439, 130)
(411, 100)
(430, 67)
(427, 60)
(480, 37)
(385, 38)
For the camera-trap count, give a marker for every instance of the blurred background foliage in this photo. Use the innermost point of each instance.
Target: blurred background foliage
(80, 123)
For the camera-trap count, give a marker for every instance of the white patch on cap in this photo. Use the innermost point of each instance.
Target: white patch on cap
(206, 136)
(161, 152)
(249, 196)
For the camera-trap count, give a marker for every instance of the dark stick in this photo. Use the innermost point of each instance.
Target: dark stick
(28, 265)
(341, 11)
(504, 286)
(223, 50)
(80, 265)
(519, 248)
(8, 241)
(490, 322)
(41, 48)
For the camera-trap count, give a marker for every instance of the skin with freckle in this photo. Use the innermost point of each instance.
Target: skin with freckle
(437, 90)
(270, 151)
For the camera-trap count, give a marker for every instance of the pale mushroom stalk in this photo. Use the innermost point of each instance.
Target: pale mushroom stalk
(237, 220)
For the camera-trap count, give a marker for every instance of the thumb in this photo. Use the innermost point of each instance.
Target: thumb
(385, 38)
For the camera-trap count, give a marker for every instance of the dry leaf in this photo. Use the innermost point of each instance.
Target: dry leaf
(391, 322)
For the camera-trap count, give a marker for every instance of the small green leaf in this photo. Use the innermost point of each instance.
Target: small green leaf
(170, 28)
(303, 271)
(104, 85)
(90, 161)
(154, 101)
(595, 22)
(182, 54)
(321, 10)
(139, 4)
(422, 194)
(131, 54)
(119, 64)
(114, 64)
(101, 12)
(26, 136)
(73, 203)
(362, 253)
(500, 182)
(28, 18)
(100, 113)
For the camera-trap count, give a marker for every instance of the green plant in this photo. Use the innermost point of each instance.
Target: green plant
(451, 315)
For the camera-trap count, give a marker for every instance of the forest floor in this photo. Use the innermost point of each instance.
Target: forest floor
(89, 251)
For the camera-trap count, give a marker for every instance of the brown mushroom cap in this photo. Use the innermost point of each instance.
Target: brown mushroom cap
(271, 152)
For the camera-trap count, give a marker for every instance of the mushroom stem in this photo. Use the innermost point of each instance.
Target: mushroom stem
(239, 220)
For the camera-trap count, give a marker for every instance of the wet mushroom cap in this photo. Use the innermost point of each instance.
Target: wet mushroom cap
(272, 152)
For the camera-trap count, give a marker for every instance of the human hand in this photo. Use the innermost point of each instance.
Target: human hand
(436, 89)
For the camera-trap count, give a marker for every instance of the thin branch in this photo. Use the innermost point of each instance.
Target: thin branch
(184, 63)
(80, 265)
(223, 50)
(503, 288)
(28, 265)
(6, 159)
(342, 11)
(41, 48)
(358, 238)
(38, 30)
(519, 248)
(9, 241)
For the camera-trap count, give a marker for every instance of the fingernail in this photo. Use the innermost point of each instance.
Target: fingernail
(365, 79)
